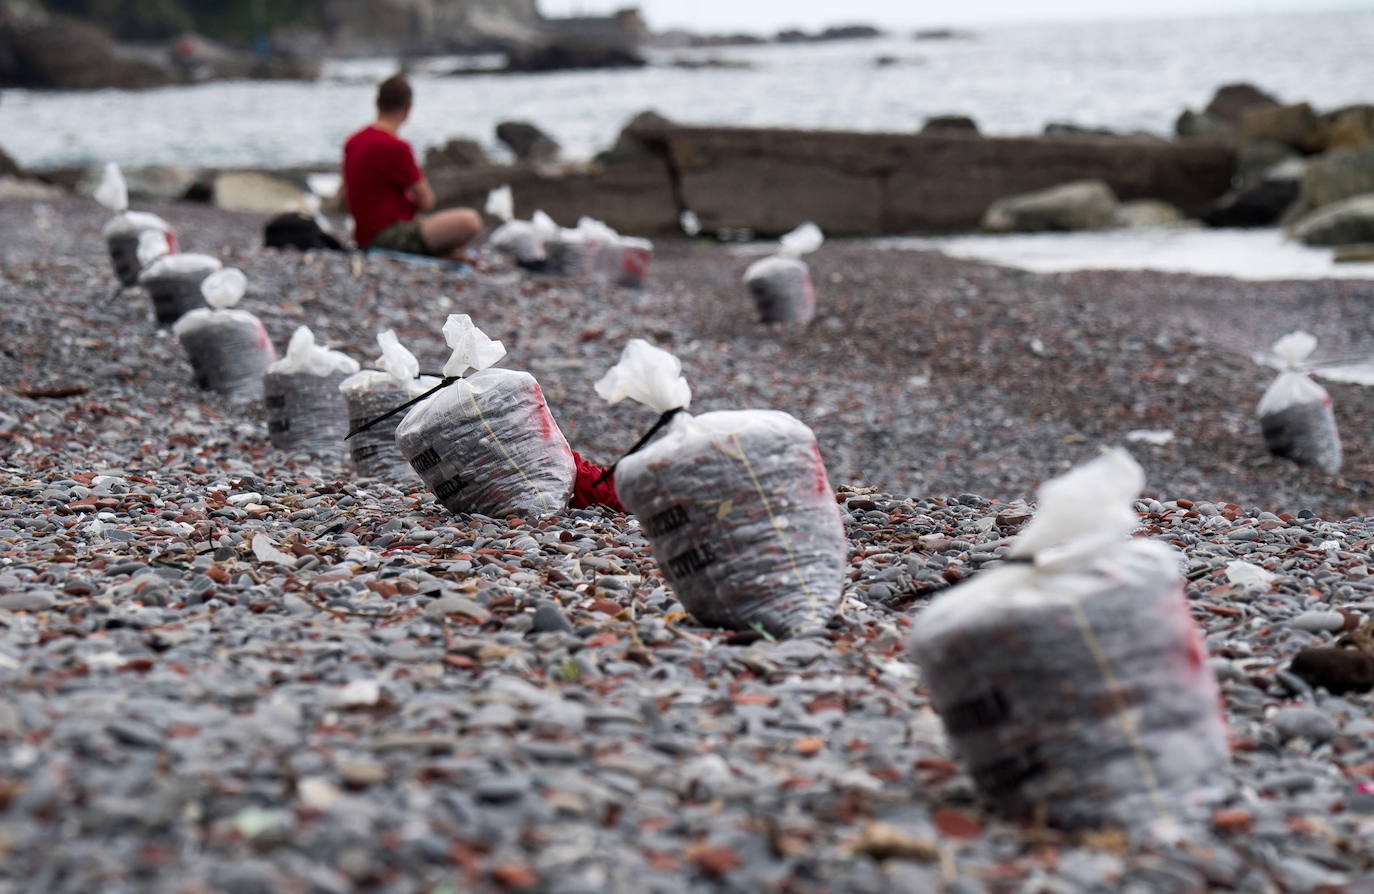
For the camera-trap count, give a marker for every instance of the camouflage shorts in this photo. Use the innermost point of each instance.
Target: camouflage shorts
(403, 236)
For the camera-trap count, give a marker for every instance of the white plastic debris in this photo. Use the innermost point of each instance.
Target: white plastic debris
(690, 223)
(737, 505)
(228, 348)
(266, 551)
(1072, 680)
(1249, 576)
(305, 355)
(1295, 414)
(781, 283)
(113, 191)
(1155, 437)
(487, 442)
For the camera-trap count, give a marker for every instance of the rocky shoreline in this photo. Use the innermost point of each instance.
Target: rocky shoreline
(422, 702)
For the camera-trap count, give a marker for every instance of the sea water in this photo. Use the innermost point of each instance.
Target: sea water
(1012, 80)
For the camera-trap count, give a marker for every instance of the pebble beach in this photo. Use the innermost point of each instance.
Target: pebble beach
(226, 668)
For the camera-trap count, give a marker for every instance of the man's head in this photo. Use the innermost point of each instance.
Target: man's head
(394, 97)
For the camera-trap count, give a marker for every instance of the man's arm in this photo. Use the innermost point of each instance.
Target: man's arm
(421, 194)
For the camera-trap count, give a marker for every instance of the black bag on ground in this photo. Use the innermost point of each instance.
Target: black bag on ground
(296, 230)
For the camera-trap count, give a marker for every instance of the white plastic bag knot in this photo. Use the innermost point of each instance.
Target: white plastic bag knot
(224, 288)
(152, 244)
(396, 360)
(802, 241)
(649, 375)
(303, 355)
(472, 349)
(1294, 348)
(1083, 510)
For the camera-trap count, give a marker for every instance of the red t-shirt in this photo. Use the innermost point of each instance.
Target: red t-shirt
(378, 168)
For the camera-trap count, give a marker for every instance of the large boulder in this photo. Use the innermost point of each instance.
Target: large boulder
(43, 51)
(528, 142)
(459, 153)
(255, 192)
(1082, 205)
(1231, 102)
(159, 183)
(1261, 201)
(1295, 125)
(1258, 157)
(1192, 125)
(1347, 222)
(8, 166)
(1148, 214)
(18, 189)
(1332, 176)
(643, 138)
(1350, 128)
(950, 124)
(568, 56)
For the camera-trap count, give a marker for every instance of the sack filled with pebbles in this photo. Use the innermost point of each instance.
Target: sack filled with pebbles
(126, 228)
(173, 284)
(1295, 413)
(626, 261)
(737, 505)
(371, 395)
(305, 411)
(486, 443)
(781, 283)
(574, 253)
(228, 348)
(1072, 680)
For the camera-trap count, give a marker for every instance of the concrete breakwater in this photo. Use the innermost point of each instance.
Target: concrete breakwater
(851, 184)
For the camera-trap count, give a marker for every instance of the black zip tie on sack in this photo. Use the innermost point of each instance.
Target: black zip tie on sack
(118, 293)
(639, 445)
(447, 381)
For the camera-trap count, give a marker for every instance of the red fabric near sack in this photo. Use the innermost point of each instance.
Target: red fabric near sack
(587, 493)
(378, 168)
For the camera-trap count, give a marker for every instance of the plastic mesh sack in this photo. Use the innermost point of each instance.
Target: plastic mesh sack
(124, 232)
(173, 283)
(1295, 414)
(228, 349)
(487, 443)
(1073, 681)
(373, 393)
(736, 505)
(305, 410)
(781, 283)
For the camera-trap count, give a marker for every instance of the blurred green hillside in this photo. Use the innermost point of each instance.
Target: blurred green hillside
(233, 21)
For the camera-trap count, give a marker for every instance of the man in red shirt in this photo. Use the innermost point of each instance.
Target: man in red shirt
(385, 188)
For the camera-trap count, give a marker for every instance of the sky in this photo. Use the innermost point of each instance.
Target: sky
(768, 16)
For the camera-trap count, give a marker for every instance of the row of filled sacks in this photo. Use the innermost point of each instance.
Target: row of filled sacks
(589, 250)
